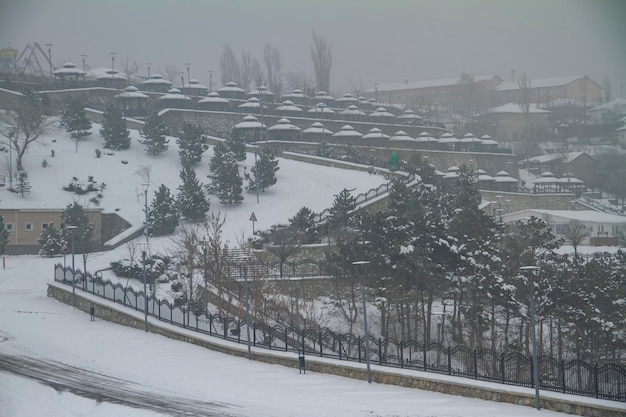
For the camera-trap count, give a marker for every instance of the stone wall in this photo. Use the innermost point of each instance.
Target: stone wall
(108, 311)
(512, 202)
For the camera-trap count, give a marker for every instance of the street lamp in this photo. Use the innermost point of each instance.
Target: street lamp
(362, 266)
(49, 45)
(144, 248)
(187, 64)
(112, 65)
(10, 134)
(533, 269)
(148, 64)
(72, 230)
(210, 80)
(83, 56)
(245, 280)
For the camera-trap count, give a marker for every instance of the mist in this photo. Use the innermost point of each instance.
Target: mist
(372, 41)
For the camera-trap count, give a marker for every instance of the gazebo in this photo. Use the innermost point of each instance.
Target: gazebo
(469, 142)
(324, 97)
(448, 142)
(546, 183)
(381, 115)
(283, 130)
(214, 102)
(316, 133)
(375, 137)
(112, 79)
(424, 140)
(253, 105)
(322, 111)
(156, 83)
(288, 108)
(451, 174)
(174, 99)
(232, 91)
(487, 144)
(347, 100)
(250, 129)
(503, 181)
(569, 183)
(69, 76)
(263, 94)
(401, 138)
(347, 135)
(485, 181)
(132, 102)
(194, 88)
(296, 96)
(410, 118)
(352, 112)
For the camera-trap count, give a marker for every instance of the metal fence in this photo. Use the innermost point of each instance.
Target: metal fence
(607, 381)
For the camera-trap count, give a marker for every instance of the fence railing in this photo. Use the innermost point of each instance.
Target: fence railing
(578, 377)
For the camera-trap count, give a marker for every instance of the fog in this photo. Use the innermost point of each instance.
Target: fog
(372, 41)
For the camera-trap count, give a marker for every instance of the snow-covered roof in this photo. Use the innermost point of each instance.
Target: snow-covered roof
(113, 74)
(375, 133)
(284, 124)
(586, 216)
(516, 108)
(288, 106)
(409, 114)
(448, 138)
(318, 128)
(401, 135)
(157, 79)
(69, 68)
(297, 93)
(321, 108)
(347, 98)
(252, 102)
(539, 83)
(617, 104)
(174, 94)
(131, 92)
(213, 97)
(347, 131)
(409, 85)
(563, 157)
(249, 122)
(323, 95)
(381, 112)
(231, 86)
(352, 110)
(504, 177)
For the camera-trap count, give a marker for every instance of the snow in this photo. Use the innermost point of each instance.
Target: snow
(38, 327)
(516, 108)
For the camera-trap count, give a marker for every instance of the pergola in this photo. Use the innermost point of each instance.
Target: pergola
(316, 133)
(214, 102)
(132, 102)
(347, 134)
(250, 129)
(284, 130)
(69, 76)
(156, 83)
(174, 99)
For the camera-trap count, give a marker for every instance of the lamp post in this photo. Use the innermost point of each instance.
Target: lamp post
(10, 134)
(187, 64)
(245, 280)
(112, 65)
(83, 56)
(49, 45)
(210, 80)
(362, 265)
(533, 333)
(148, 65)
(72, 230)
(145, 246)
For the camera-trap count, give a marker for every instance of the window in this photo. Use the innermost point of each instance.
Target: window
(9, 227)
(560, 228)
(44, 226)
(28, 226)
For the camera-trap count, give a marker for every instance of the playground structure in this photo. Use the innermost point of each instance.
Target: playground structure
(29, 60)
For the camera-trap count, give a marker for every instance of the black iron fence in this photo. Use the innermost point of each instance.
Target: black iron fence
(607, 381)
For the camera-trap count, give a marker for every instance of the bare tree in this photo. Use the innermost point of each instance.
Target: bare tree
(25, 121)
(229, 66)
(129, 68)
(273, 68)
(575, 232)
(606, 86)
(250, 70)
(284, 241)
(171, 72)
(300, 80)
(322, 56)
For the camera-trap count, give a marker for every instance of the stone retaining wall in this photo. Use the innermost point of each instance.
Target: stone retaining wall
(114, 313)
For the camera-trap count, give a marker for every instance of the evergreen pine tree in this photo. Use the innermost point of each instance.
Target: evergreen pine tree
(23, 186)
(324, 150)
(4, 236)
(304, 224)
(394, 161)
(74, 119)
(154, 135)
(225, 182)
(264, 171)
(191, 145)
(84, 243)
(163, 217)
(51, 242)
(237, 145)
(341, 208)
(191, 199)
(114, 132)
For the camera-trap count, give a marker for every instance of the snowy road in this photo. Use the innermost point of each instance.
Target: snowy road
(105, 388)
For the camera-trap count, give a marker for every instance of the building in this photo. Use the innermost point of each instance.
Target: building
(507, 123)
(26, 225)
(602, 228)
(580, 164)
(546, 90)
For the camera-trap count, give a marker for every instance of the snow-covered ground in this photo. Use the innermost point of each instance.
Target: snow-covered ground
(148, 370)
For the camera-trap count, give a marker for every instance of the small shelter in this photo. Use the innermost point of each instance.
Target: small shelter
(156, 83)
(503, 181)
(347, 100)
(288, 108)
(132, 102)
(569, 183)
(401, 139)
(316, 133)
(375, 137)
(546, 183)
(322, 111)
(347, 135)
(410, 118)
(324, 97)
(174, 99)
(253, 105)
(448, 142)
(284, 130)
(296, 96)
(353, 113)
(381, 115)
(425, 141)
(263, 94)
(469, 142)
(112, 79)
(250, 129)
(69, 76)
(232, 91)
(194, 88)
(213, 102)
(487, 144)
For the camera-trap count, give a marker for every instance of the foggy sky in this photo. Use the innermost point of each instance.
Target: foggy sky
(373, 41)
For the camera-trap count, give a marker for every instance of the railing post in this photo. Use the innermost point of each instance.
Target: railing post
(269, 339)
(210, 324)
(358, 341)
(425, 367)
(320, 342)
(502, 367)
(475, 364)
(449, 351)
(532, 374)
(286, 344)
(339, 344)
(595, 379)
(562, 367)
(401, 355)
(380, 351)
